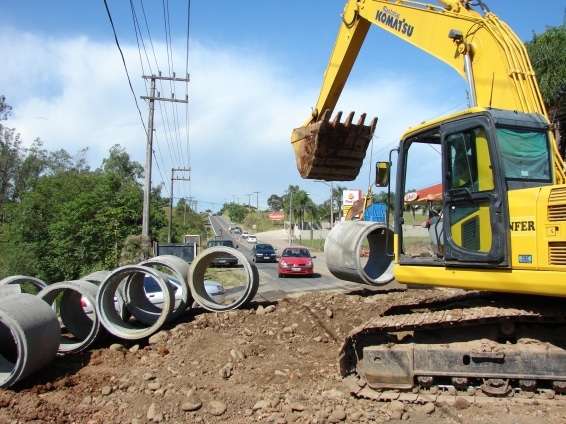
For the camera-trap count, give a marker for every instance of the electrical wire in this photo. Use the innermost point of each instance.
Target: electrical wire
(124, 63)
(163, 110)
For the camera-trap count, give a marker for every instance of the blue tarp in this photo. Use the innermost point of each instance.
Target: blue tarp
(376, 212)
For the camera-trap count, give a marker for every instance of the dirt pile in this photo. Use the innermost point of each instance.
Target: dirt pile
(271, 363)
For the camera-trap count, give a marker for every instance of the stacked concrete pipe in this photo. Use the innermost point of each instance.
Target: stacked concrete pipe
(343, 248)
(131, 278)
(29, 337)
(179, 269)
(19, 280)
(198, 270)
(85, 328)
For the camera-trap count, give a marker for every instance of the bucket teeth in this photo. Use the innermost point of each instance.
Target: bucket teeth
(332, 150)
(349, 120)
(336, 119)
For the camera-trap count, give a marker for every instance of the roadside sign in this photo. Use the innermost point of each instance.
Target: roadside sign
(276, 216)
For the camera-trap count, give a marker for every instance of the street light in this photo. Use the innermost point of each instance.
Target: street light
(331, 185)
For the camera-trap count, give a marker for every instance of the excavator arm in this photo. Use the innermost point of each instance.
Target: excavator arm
(476, 44)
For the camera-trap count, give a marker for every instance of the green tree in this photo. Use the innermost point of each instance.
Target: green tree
(549, 61)
(236, 212)
(275, 202)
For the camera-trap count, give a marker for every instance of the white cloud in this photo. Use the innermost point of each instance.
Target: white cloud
(73, 94)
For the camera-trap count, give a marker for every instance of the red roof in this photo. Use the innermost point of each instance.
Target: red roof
(432, 193)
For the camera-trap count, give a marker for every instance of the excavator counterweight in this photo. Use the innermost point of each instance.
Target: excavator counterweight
(332, 150)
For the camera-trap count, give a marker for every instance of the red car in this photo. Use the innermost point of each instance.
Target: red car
(295, 261)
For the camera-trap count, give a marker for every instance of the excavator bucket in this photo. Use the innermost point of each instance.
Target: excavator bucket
(332, 150)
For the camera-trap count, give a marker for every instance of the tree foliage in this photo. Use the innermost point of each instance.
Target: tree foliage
(60, 220)
(235, 211)
(547, 54)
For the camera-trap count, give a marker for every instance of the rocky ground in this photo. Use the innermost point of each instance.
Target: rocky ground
(270, 363)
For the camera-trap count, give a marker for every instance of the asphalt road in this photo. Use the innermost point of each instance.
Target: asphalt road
(271, 286)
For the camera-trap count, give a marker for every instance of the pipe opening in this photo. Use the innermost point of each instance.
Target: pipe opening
(8, 352)
(74, 304)
(174, 270)
(125, 309)
(222, 279)
(356, 251)
(374, 261)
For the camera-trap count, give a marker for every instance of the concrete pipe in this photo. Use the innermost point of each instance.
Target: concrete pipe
(29, 337)
(343, 248)
(118, 324)
(197, 281)
(21, 280)
(179, 270)
(77, 313)
(96, 277)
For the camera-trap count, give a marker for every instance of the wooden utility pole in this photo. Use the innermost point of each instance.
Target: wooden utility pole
(149, 146)
(173, 178)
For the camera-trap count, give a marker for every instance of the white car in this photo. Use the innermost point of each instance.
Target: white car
(252, 239)
(155, 295)
(245, 235)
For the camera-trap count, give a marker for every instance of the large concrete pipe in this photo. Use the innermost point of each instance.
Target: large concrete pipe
(197, 280)
(96, 277)
(179, 269)
(77, 313)
(114, 321)
(29, 337)
(343, 251)
(22, 281)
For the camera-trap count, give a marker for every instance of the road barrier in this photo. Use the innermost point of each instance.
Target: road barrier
(74, 303)
(29, 336)
(344, 247)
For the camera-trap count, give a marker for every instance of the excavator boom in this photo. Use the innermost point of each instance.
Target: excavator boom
(476, 44)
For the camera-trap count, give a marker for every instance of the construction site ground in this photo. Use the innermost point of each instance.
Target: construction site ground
(273, 363)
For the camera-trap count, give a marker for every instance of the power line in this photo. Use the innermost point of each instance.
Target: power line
(162, 109)
(137, 30)
(124, 63)
(164, 118)
(187, 89)
(170, 63)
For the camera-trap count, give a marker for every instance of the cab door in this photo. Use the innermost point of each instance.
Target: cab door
(475, 206)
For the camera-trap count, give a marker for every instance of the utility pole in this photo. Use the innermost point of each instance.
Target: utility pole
(257, 200)
(173, 178)
(249, 200)
(290, 217)
(331, 205)
(149, 145)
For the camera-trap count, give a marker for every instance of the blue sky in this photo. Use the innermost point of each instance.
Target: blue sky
(255, 67)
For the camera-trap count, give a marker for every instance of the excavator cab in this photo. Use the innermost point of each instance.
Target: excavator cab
(482, 158)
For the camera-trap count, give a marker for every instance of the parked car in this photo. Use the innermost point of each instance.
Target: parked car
(263, 252)
(295, 261)
(251, 239)
(227, 260)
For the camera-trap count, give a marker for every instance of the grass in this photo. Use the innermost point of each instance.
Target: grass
(228, 277)
(317, 244)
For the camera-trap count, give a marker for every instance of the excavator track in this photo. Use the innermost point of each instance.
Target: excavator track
(476, 346)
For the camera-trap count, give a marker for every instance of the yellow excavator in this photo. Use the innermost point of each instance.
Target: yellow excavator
(498, 237)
